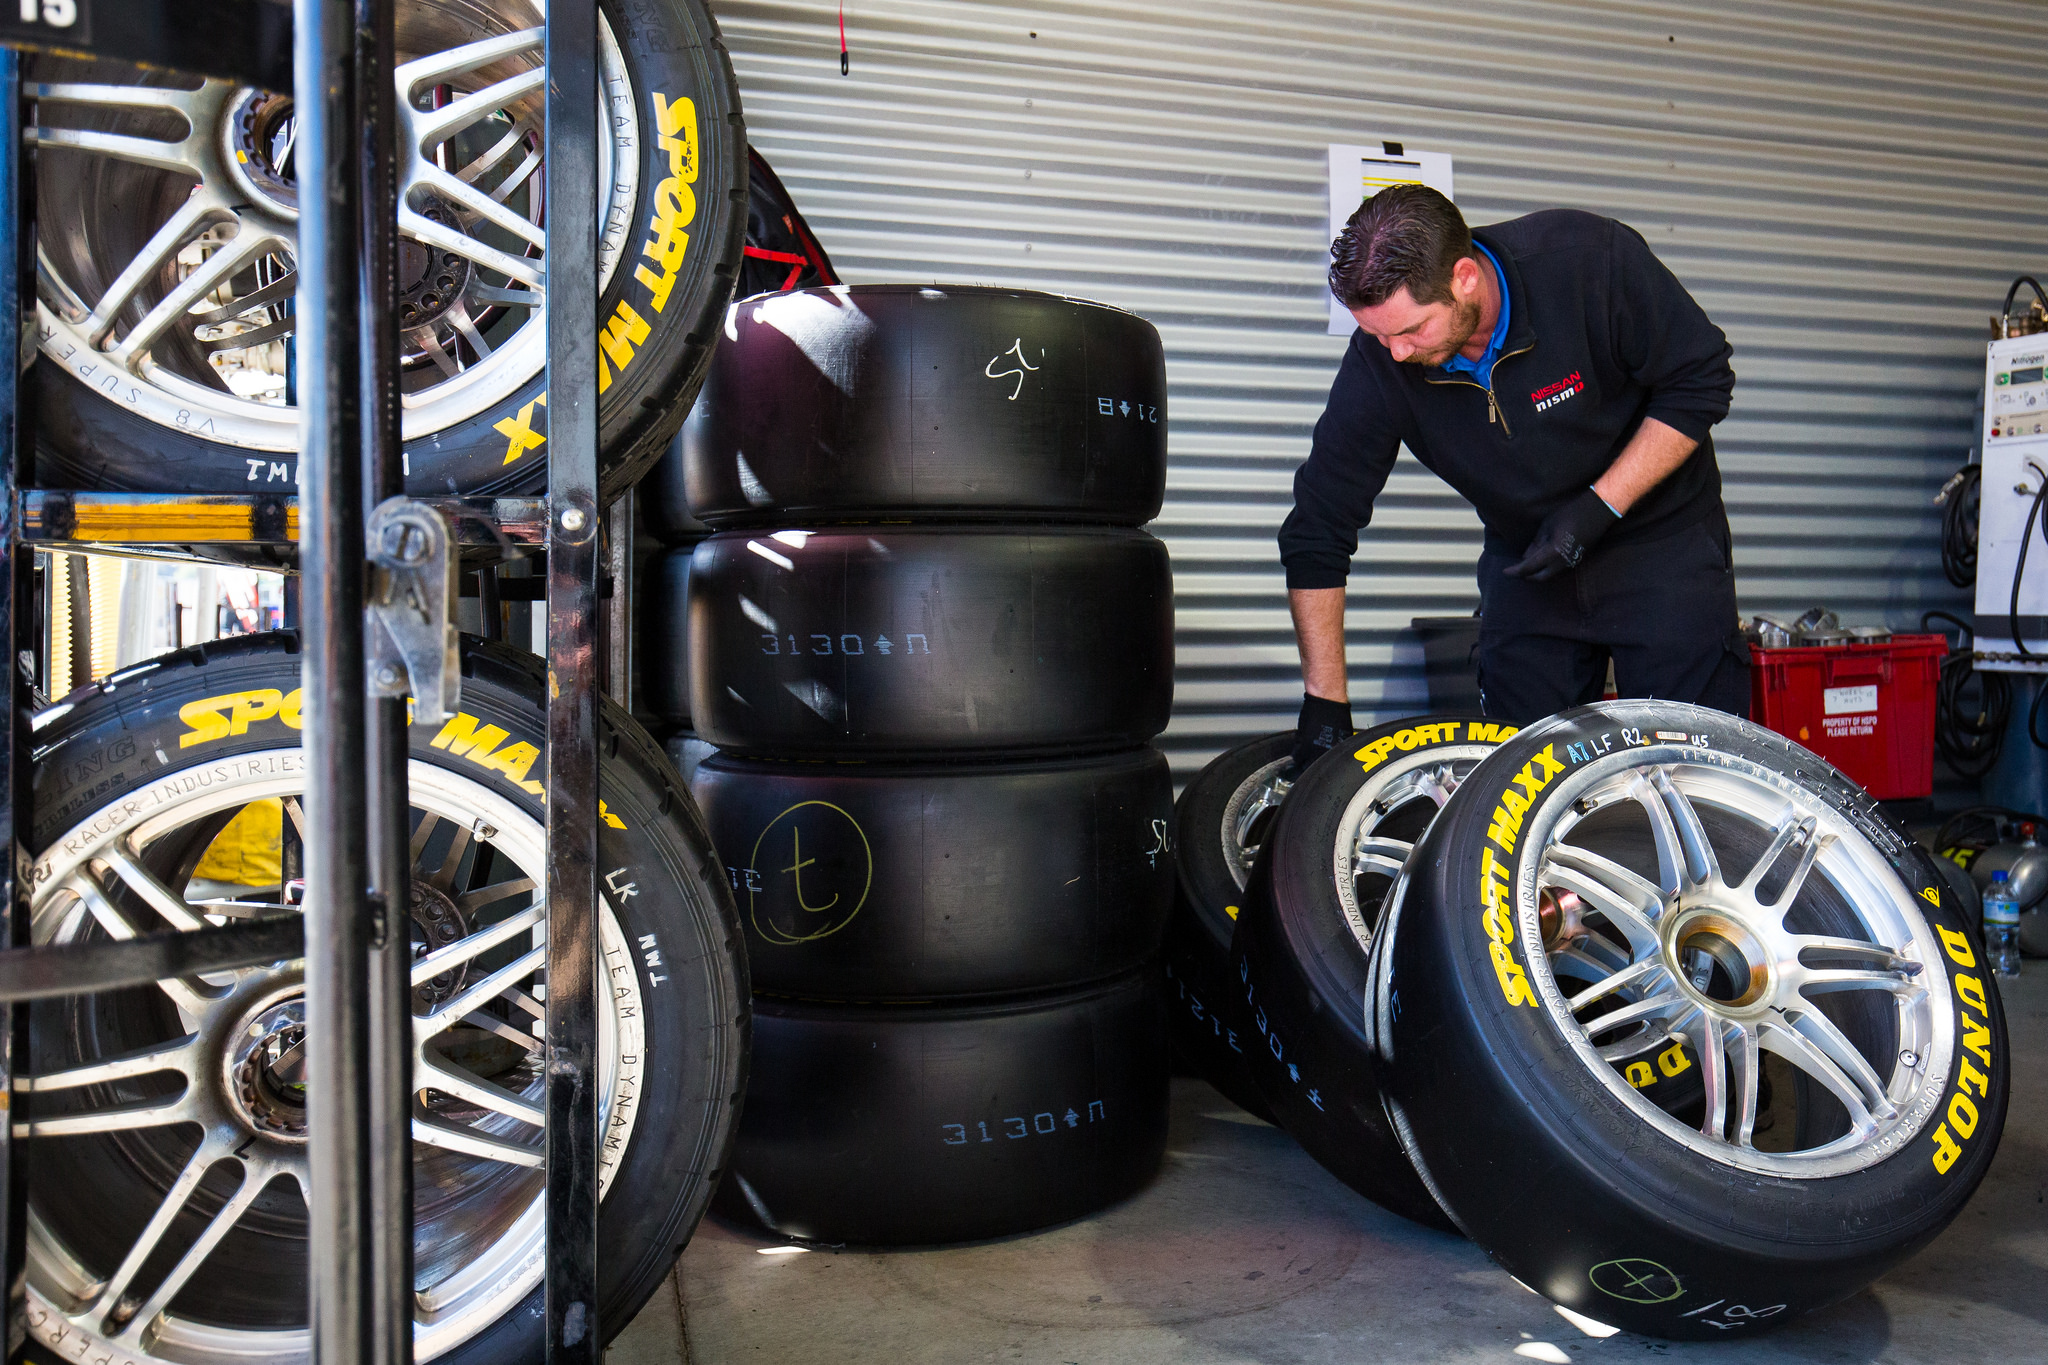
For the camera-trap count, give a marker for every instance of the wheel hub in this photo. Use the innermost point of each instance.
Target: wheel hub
(1717, 960)
(439, 923)
(266, 1067)
(261, 134)
(430, 280)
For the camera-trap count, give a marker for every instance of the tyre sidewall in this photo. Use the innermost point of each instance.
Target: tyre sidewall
(1302, 971)
(902, 1125)
(851, 403)
(895, 882)
(913, 642)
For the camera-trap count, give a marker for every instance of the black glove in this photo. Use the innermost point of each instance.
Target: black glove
(1324, 724)
(1564, 537)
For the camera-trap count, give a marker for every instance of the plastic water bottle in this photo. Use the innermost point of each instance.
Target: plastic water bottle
(2002, 926)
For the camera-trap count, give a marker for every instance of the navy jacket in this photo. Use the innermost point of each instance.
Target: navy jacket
(1600, 336)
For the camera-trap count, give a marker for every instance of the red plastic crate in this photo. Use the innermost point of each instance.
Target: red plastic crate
(1867, 709)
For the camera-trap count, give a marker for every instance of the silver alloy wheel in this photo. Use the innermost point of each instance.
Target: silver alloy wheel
(1728, 965)
(1385, 808)
(165, 280)
(479, 983)
(1248, 814)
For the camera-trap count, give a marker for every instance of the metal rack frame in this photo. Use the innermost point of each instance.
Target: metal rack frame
(338, 56)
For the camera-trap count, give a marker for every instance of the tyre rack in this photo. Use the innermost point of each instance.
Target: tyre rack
(358, 667)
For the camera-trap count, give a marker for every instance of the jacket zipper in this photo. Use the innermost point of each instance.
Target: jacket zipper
(1493, 412)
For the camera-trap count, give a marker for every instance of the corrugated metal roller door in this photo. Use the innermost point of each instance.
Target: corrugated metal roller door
(1847, 189)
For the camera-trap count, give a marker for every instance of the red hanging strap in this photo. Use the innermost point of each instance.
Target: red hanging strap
(795, 262)
(845, 65)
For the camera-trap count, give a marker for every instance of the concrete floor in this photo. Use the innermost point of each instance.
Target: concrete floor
(1243, 1250)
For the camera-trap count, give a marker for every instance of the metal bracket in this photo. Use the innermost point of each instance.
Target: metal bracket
(412, 649)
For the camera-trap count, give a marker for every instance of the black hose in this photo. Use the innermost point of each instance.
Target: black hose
(2019, 567)
(1970, 740)
(1959, 526)
(2014, 293)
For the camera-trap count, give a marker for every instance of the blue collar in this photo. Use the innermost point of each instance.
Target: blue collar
(1482, 368)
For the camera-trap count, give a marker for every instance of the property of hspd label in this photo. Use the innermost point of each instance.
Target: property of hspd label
(1848, 701)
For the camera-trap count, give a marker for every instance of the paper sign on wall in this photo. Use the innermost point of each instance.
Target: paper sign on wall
(1359, 172)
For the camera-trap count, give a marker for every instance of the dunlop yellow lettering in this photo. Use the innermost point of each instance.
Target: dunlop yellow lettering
(205, 719)
(1514, 987)
(1499, 925)
(675, 202)
(1971, 992)
(617, 339)
(1673, 1061)
(232, 713)
(1640, 1075)
(1538, 771)
(1491, 734)
(1931, 896)
(462, 738)
(1958, 947)
(1966, 1073)
(515, 761)
(1945, 1150)
(1375, 753)
(250, 707)
(1404, 740)
(1962, 1112)
(604, 813)
(1977, 1036)
(1503, 831)
(518, 432)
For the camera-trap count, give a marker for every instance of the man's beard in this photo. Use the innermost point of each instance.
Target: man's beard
(1464, 326)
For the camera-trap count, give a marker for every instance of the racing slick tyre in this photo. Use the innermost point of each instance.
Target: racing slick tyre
(1302, 940)
(1638, 888)
(663, 639)
(1218, 823)
(901, 882)
(875, 402)
(168, 216)
(902, 1125)
(960, 642)
(162, 1128)
(664, 510)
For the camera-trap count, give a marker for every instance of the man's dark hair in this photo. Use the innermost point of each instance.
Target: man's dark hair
(1406, 235)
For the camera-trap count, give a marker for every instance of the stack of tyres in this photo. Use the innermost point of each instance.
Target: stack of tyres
(931, 646)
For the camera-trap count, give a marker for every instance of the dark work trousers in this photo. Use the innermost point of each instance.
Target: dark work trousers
(1663, 610)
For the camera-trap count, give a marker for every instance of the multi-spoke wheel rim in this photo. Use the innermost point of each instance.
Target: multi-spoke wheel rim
(167, 229)
(479, 987)
(1384, 820)
(1709, 946)
(1248, 814)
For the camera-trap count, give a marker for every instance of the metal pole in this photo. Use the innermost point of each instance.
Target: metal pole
(389, 999)
(18, 602)
(618, 616)
(338, 928)
(573, 513)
